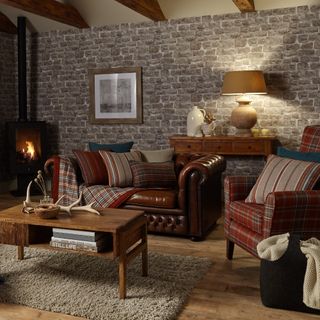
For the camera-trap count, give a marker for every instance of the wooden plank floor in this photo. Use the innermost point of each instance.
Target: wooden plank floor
(230, 290)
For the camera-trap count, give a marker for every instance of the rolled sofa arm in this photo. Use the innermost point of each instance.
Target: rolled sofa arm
(200, 187)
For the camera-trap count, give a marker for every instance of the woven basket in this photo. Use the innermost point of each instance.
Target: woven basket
(46, 211)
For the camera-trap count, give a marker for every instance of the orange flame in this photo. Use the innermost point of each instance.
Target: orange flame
(30, 149)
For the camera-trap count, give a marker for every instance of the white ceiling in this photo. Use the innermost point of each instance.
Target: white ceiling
(103, 12)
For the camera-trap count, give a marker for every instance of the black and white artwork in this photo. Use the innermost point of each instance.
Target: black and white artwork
(116, 96)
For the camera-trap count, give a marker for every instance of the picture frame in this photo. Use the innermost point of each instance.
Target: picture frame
(115, 96)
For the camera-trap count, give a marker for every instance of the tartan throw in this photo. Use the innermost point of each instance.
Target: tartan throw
(68, 185)
(153, 175)
(106, 197)
(283, 174)
(102, 196)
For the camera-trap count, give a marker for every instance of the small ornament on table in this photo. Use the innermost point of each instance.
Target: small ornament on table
(209, 125)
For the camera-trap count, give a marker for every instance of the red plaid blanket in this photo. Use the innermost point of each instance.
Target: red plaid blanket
(101, 196)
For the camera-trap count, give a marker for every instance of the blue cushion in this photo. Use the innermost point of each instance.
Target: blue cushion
(115, 147)
(297, 155)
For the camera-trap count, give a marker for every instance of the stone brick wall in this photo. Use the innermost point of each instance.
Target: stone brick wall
(8, 101)
(183, 62)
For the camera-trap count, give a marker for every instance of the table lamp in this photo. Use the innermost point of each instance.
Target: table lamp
(244, 83)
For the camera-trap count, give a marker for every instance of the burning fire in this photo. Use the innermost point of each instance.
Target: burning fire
(30, 151)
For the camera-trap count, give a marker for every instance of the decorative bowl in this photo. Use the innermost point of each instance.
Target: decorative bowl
(46, 211)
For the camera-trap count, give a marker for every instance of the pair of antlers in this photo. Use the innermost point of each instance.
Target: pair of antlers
(28, 204)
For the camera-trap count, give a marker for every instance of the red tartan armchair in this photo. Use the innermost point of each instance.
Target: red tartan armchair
(246, 224)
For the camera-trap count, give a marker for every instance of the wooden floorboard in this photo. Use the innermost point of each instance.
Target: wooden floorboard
(230, 289)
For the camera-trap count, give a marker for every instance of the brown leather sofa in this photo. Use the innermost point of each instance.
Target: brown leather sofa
(191, 210)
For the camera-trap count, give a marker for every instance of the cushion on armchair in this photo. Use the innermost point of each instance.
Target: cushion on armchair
(298, 155)
(282, 174)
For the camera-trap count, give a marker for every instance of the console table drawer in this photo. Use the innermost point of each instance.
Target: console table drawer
(188, 146)
(248, 147)
(215, 146)
(226, 145)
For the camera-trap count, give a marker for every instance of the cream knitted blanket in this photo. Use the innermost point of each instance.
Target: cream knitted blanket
(274, 247)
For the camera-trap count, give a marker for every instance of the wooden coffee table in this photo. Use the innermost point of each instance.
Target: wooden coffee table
(128, 229)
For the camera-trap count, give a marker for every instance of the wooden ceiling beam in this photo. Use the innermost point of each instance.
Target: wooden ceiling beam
(50, 9)
(148, 8)
(6, 25)
(245, 5)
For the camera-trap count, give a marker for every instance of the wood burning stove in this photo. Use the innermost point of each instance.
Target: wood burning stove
(26, 139)
(27, 150)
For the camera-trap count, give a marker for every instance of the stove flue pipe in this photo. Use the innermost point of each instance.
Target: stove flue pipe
(22, 69)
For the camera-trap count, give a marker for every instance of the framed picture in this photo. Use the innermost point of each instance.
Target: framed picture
(115, 95)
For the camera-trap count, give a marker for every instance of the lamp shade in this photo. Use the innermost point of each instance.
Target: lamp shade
(244, 82)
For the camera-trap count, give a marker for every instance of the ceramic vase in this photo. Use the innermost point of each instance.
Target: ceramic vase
(194, 121)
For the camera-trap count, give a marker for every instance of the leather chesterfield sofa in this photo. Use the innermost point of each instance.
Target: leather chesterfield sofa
(190, 210)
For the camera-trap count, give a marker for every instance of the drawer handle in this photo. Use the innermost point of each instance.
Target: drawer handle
(249, 147)
(188, 146)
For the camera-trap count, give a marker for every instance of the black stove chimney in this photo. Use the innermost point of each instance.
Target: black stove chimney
(22, 69)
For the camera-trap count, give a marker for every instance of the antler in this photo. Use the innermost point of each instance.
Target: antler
(73, 207)
(28, 205)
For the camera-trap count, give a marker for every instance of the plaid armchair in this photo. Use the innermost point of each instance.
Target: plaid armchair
(246, 224)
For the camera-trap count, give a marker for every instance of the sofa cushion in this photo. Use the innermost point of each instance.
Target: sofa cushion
(118, 167)
(154, 198)
(163, 155)
(249, 215)
(92, 167)
(114, 147)
(153, 175)
(283, 174)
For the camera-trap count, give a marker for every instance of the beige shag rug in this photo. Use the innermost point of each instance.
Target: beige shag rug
(87, 286)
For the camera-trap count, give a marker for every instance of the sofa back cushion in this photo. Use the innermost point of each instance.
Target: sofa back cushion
(114, 147)
(118, 167)
(283, 174)
(153, 174)
(310, 141)
(162, 155)
(92, 167)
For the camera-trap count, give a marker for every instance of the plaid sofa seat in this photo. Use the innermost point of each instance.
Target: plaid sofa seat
(249, 215)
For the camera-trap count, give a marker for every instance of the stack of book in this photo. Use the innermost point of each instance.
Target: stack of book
(80, 240)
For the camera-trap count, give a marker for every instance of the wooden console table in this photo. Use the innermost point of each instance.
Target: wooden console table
(226, 145)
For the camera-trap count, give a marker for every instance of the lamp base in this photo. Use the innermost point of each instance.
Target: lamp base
(244, 116)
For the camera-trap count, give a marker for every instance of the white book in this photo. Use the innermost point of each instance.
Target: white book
(72, 231)
(92, 244)
(74, 246)
(76, 234)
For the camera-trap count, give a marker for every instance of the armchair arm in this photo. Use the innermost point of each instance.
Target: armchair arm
(200, 192)
(288, 211)
(64, 178)
(237, 187)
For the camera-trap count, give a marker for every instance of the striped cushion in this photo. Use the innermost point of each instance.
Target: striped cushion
(153, 174)
(118, 167)
(92, 167)
(282, 174)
